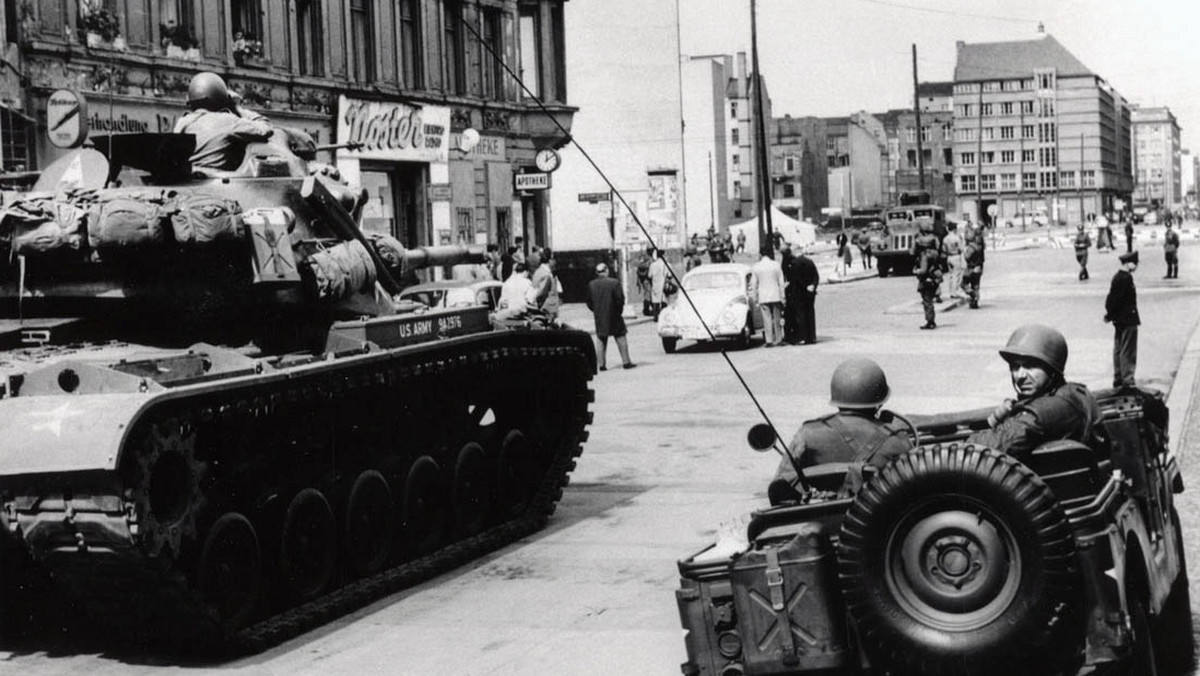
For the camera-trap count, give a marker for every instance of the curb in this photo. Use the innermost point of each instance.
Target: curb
(1180, 396)
(913, 307)
(853, 277)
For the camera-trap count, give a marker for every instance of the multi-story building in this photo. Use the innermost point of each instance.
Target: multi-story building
(857, 157)
(1036, 132)
(1156, 157)
(706, 138)
(1189, 170)
(936, 156)
(342, 70)
(798, 159)
(743, 163)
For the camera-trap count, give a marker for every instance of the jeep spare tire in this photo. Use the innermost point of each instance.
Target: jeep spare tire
(957, 559)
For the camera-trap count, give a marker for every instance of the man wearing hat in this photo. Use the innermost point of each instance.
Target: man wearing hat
(1047, 407)
(1121, 309)
(860, 432)
(606, 300)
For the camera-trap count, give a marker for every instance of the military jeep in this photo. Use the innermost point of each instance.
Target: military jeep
(957, 559)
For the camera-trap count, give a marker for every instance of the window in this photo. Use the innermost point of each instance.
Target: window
(987, 182)
(1029, 155)
(924, 134)
(531, 50)
(966, 183)
(948, 156)
(1156, 173)
(967, 158)
(927, 154)
(831, 143)
(16, 146)
(736, 159)
(789, 164)
(733, 109)
(966, 88)
(464, 225)
(1006, 132)
(1029, 181)
(1047, 132)
(1027, 131)
(246, 19)
(1006, 108)
(1045, 79)
(1012, 85)
(1047, 157)
(910, 135)
(1027, 107)
(989, 133)
(964, 110)
(737, 190)
(789, 190)
(310, 48)
(912, 158)
(1066, 179)
(947, 131)
(1047, 180)
(1046, 108)
(991, 86)
(988, 157)
(1008, 181)
(733, 136)
(967, 134)
(1008, 156)
(455, 37)
(490, 72)
(410, 45)
(362, 36)
(176, 22)
(985, 109)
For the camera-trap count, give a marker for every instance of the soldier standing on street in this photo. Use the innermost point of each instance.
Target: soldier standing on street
(1121, 309)
(1128, 235)
(1083, 242)
(973, 256)
(1171, 252)
(860, 432)
(1047, 408)
(928, 269)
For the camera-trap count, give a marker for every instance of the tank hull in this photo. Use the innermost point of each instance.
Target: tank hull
(242, 510)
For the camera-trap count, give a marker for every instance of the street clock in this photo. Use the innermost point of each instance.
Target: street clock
(547, 160)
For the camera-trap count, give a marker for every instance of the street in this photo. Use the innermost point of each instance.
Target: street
(667, 463)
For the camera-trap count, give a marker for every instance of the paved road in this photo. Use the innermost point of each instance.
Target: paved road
(667, 462)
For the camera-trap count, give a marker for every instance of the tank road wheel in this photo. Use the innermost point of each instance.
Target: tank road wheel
(423, 508)
(369, 521)
(471, 492)
(959, 558)
(515, 469)
(230, 570)
(308, 552)
(166, 478)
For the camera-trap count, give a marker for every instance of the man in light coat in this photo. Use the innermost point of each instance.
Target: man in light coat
(658, 280)
(768, 287)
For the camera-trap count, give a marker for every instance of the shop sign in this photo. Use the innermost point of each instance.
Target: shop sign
(439, 192)
(390, 130)
(531, 181)
(488, 148)
(66, 118)
(594, 197)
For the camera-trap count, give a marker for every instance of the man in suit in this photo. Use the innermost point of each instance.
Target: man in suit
(606, 300)
(768, 289)
(1121, 309)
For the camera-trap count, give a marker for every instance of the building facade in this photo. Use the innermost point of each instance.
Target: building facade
(1156, 158)
(1036, 133)
(407, 77)
(1189, 170)
(936, 158)
(798, 159)
(744, 170)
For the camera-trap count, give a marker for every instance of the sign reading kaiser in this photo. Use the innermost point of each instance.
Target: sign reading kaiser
(390, 130)
(66, 118)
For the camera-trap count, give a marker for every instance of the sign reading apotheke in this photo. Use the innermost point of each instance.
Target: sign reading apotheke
(389, 130)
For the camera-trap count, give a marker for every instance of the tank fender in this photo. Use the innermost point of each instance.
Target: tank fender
(66, 433)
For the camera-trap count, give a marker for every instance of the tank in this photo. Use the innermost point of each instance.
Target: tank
(218, 423)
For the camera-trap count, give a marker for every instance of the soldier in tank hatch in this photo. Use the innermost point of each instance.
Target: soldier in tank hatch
(221, 127)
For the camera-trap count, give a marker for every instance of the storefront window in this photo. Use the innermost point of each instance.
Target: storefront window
(379, 214)
(16, 147)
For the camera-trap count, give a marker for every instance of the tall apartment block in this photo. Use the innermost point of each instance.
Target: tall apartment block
(1157, 158)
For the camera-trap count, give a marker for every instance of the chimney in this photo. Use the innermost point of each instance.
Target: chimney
(741, 66)
(1041, 28)
(959, 45)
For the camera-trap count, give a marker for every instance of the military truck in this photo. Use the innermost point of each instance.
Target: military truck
(892, 243)
(220, 425)
(957, 559)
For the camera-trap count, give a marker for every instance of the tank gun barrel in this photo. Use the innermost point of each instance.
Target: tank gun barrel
(451, 254)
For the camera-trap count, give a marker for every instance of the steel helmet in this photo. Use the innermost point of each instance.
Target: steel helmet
(858, 383)
(208, 91)
(1038, 342)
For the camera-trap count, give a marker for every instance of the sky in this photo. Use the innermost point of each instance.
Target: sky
(835, 57)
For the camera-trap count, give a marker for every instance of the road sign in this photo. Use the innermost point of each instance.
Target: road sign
(66, 118)
(531, 181)
(594, 197)
(439, 192)
(993, 210)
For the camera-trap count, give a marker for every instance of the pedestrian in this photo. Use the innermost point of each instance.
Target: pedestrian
(545, 285)
(519, 252)
(516, 294)
(767, 287)
(494, 262)
(1128, 235)
(952, 253)
(643, 284)
(927, 268)
(693, 260)
(847, 259)
(1047, 407)
(791, 296)
(606, 301)
(1171, 252)
(808, 278)
(506, 263)
(860, 433)
(973, 258)
(1120, 308)
(727, 248)
(864, 248)
(741, 241)
(657, 274)
(1083, 242)
(842, 246)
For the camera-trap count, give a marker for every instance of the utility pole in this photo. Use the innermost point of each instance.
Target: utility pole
(917, 110)
(765, 230)
(1021, 174)
(682, 135)
(979, 212)
(1082, 215)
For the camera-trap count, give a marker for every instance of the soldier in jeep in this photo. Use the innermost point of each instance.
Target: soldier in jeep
(1047, 407)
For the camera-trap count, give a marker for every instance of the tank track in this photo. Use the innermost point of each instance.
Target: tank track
(150, 592)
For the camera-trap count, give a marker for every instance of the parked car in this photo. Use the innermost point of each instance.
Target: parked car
(957, 559)
(721, 294)
(455, 293)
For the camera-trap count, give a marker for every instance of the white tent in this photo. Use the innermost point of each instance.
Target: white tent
(797, 233)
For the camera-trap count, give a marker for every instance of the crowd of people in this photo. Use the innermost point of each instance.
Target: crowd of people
(786, 292)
